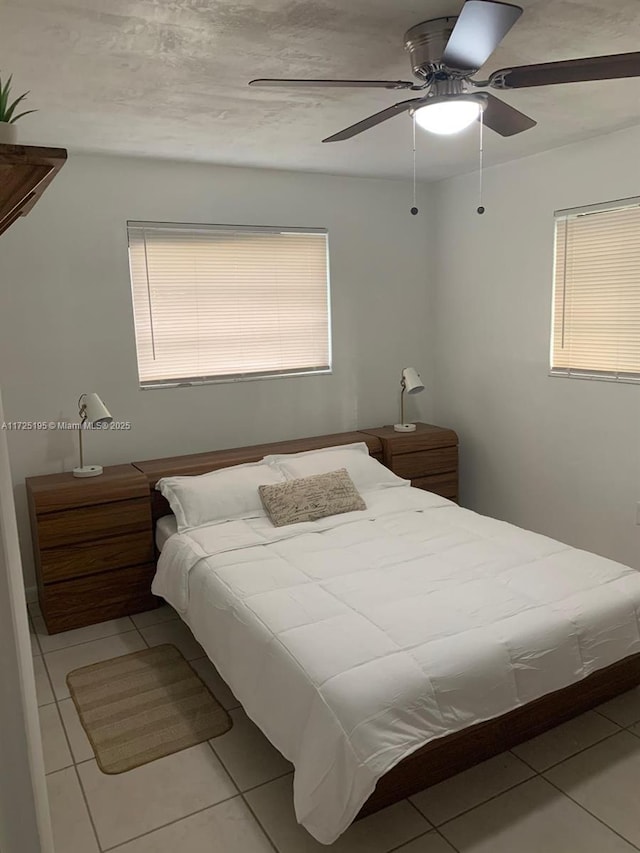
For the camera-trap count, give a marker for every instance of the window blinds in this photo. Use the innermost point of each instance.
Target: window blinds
(221, 303)
(596, 307)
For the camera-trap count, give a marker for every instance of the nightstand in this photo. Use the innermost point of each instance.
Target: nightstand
(93, 546)
(428, 457)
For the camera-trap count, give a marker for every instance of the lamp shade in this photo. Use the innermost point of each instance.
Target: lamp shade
(93, 410)
(411, 381)
(446, 114)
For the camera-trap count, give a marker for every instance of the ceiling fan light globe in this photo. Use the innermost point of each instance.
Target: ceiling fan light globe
(448, 116)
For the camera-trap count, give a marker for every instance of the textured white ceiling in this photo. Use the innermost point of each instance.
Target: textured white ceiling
(168, 78)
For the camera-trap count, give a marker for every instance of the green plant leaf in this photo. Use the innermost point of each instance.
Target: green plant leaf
(26, 113)
(7, 85)
(9, 111)
(4, 96)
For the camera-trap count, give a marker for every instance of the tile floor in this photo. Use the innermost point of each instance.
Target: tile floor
(571, 790)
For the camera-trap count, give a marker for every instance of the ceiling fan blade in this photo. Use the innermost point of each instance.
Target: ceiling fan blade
(357, 84)
(568, 71)
(372, 121)
(504, 119)
(480, 28)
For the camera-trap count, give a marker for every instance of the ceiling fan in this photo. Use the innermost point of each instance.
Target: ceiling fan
(446, 52)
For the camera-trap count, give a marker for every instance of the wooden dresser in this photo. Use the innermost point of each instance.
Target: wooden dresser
(93, 546)
(428, 457)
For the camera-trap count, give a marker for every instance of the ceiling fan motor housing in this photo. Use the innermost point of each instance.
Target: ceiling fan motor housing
(426, 43)
(451, 87)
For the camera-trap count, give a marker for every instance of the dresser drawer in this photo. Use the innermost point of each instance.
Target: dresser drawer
(87, 558)
(56, 492)
(93, 522)
(425, 463)
(95, 598)
(440, 484)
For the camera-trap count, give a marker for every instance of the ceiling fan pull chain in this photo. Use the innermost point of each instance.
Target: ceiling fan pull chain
(480, 118)
(414, 209)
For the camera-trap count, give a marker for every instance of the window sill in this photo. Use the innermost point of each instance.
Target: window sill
(621, 378)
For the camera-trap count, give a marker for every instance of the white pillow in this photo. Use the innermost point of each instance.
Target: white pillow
(366, 472)
(223, 495)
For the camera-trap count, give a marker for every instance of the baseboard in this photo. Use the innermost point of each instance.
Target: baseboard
(31, 594)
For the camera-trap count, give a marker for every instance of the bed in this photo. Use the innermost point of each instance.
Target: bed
(411, 639)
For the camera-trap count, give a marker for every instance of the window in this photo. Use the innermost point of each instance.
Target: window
(220, 303)
(596, 304)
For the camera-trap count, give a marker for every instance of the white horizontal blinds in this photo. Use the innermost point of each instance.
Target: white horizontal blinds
(596, 311)
(214, 303)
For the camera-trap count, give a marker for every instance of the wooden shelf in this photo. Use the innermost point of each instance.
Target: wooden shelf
(25, 173)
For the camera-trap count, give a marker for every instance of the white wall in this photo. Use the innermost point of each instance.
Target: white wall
(24, 815)
(554, 455)
(66, 322)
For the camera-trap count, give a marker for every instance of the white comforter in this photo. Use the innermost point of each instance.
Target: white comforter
(355, 640)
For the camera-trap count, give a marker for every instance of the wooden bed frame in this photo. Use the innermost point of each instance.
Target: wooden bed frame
(201, 463)
(448, 755)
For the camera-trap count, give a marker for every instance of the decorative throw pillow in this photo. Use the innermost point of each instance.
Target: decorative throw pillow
(310, 498)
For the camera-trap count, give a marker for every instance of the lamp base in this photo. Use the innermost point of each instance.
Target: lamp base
(87, 471)
(404, 427)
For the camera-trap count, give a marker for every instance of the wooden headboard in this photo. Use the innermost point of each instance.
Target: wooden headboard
(200, 463)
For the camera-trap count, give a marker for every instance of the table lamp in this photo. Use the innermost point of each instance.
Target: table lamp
(92, 412)
(412, 384)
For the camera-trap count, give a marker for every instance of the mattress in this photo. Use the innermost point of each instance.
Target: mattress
(165, 527)
(355, 640)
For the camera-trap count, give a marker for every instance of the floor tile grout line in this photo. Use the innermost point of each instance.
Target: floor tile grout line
(205, 657)
(568, 757)
(398, 848)
(484, 802)
(144, 639)
(169, 823)
(432, 831)
(446, 841)
(228, 771)
(49, 682)
(224, 766)
(73, 757)
(175, 618)
(33, 633)
(414, 806)
(59, 769)
(259, 822)
(85, 642)
(268, 782)
(77, 645)
(430, 827)
(87, 806)
(66, 737)
(585, 809)
(615, 722)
